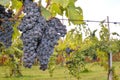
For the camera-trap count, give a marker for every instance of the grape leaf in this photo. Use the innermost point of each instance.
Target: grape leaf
(45, 13)
(4, 2)
(55, 1)
(16, 32)
(54, 9)
(72, 2)
(62, 3)
(115, 33)
(74, 14)
(16, 5)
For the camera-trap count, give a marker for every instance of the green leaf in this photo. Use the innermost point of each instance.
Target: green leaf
(72, 2)
(55, 9)
(18, 50)
(4, 2)
(114, 33)
(16, 5)
(104, 32)
(10, 50)
(45, 13)
(75, 14)
(16, 32)
(55, 1)
(62, 3)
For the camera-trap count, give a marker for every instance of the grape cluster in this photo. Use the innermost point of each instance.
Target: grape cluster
(53, 32)
(39, 36)
(32, 27)
(6, 29)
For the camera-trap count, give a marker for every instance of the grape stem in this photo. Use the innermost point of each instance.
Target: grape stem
(48, 3)
(19, 12)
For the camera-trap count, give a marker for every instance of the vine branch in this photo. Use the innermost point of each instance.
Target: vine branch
(19, 13)
(48, 3)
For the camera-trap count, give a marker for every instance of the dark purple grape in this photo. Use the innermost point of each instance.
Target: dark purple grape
(6, 29)
(32, 31)
(39, 36)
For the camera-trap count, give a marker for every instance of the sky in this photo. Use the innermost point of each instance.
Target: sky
(99, 10)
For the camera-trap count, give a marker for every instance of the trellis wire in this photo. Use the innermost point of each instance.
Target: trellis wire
(96, 21)
(63, 19)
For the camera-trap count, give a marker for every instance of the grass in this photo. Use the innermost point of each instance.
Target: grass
(96, 73)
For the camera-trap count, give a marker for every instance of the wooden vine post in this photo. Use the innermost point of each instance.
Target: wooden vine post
(109, 56)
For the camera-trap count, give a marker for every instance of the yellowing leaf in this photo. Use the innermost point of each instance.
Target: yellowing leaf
(47, 1)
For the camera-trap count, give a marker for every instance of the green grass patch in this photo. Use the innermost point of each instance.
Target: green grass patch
(96, 72)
